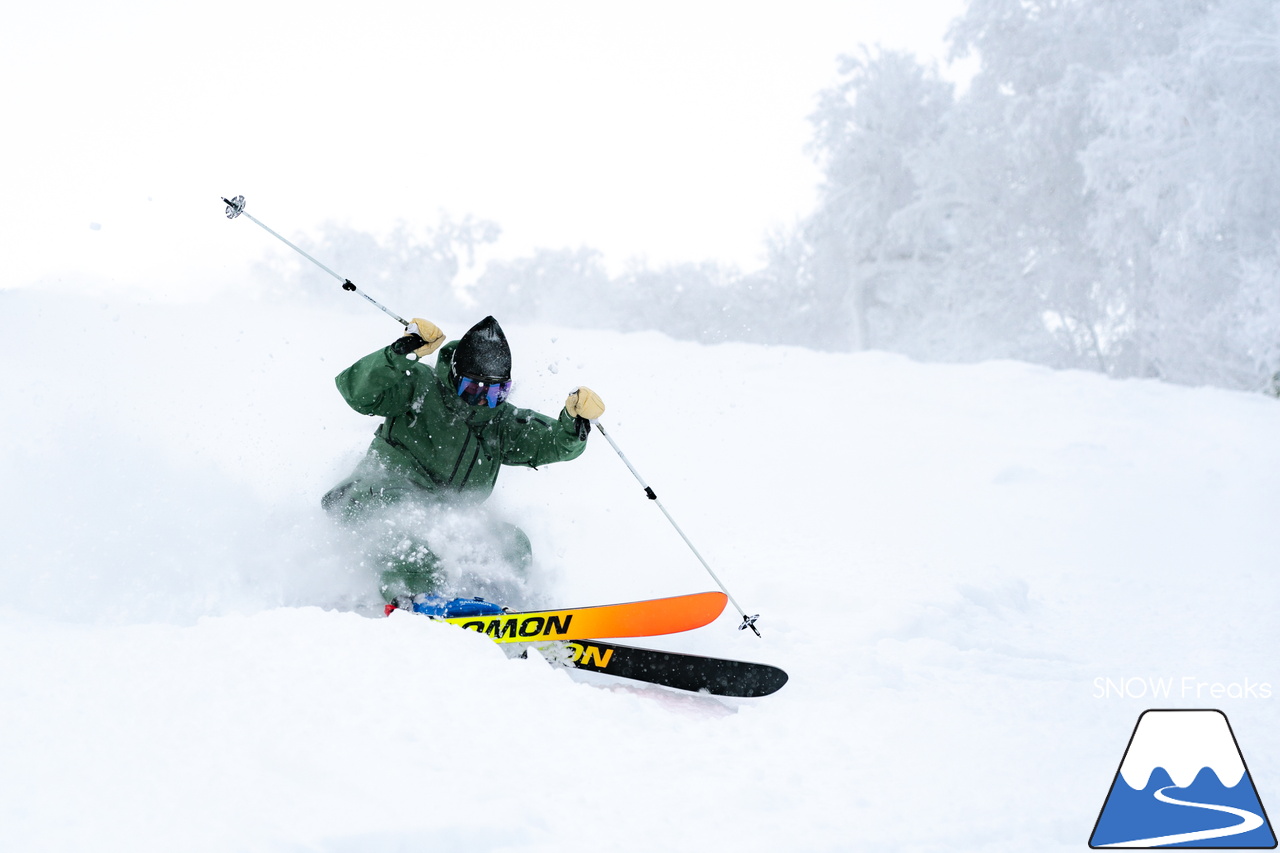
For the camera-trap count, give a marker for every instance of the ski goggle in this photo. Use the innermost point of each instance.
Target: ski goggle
(474, 392)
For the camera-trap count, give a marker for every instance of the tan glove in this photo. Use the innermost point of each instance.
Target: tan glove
(420, 330)
(584, 403)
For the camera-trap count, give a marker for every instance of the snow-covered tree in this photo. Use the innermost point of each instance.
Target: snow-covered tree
(693, 301)
(568, 286)
(885, 107)
(1105, 194)
(1185, 182)
(409, 266)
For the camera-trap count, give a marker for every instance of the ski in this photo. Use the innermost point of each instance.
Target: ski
(633, 619)
(696, 673)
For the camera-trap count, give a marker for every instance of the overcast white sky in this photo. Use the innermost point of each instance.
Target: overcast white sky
(661, 130)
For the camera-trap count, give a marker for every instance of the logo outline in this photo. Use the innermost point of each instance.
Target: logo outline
(1117, 778)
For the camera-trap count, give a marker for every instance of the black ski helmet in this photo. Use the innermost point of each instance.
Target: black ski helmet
(483, 353)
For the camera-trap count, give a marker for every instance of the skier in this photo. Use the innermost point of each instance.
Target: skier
(447, 430)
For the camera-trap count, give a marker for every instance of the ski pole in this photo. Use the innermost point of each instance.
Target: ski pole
(235, 207)
(747, 621)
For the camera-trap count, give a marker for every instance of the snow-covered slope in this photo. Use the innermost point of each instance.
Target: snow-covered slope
(947, 560)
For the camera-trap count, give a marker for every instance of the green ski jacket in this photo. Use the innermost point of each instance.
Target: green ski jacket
(434, 445)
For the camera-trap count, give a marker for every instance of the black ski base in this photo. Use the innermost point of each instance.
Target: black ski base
(695, 673)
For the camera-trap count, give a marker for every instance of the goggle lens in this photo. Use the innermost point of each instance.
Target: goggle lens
(474, 392)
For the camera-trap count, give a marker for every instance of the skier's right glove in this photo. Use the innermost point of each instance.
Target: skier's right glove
(421, 337)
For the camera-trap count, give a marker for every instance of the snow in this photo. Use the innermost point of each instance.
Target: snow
(948, 561)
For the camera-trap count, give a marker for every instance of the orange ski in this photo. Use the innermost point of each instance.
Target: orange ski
(633, 619)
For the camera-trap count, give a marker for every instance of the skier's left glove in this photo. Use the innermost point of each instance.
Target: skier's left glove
(584, 403)
(584, 406)
(421, 337)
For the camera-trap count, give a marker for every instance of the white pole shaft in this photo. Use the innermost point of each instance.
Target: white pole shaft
(272, 232)
(748, 621)
(346, 282)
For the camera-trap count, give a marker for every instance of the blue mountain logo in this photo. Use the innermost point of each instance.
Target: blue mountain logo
(1183, 783)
